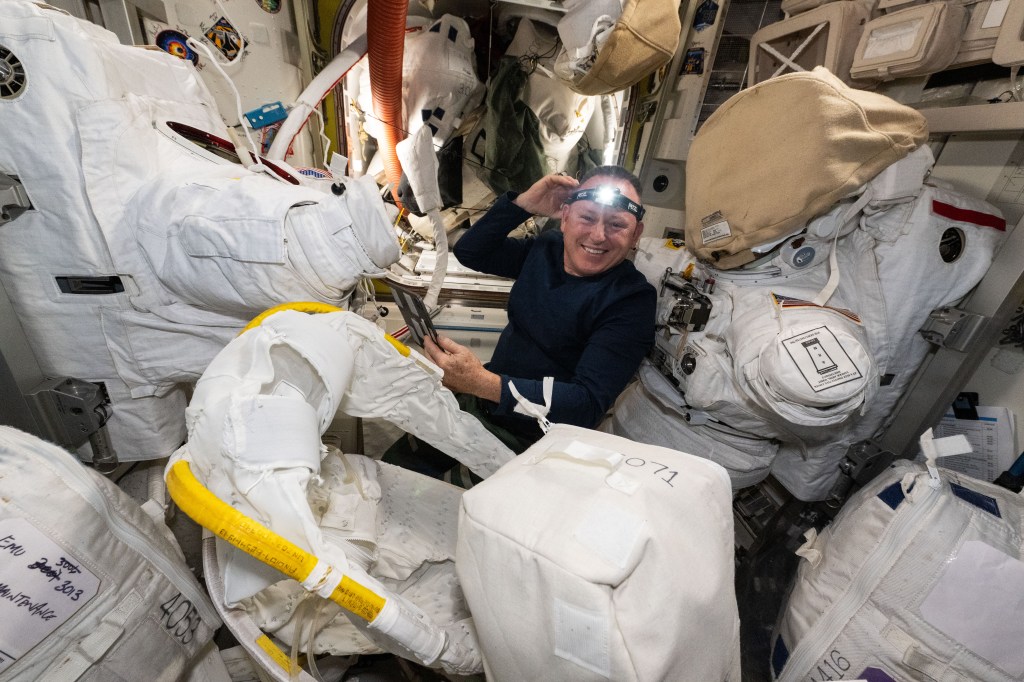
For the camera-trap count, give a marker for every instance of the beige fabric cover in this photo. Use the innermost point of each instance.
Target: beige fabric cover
(645, 37)
(885, 52)
(824, 36)
(783, 151)
(791, 7)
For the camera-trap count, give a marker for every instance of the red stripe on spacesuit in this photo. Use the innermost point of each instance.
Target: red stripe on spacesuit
(966, 215)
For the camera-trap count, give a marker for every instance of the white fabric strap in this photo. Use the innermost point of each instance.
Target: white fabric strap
(538, 412)
(934, 448)
(323, 579)
(85, 653)
(833, 260)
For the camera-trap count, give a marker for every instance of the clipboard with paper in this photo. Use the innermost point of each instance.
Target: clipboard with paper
(415, 314)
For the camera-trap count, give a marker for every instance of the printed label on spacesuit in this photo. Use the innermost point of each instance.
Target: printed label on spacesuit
(715, 227)
(41, 587)
(821, 359)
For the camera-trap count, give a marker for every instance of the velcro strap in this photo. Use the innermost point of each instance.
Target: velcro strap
(538, 412)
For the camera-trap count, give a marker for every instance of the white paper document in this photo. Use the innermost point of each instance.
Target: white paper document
(991, 436)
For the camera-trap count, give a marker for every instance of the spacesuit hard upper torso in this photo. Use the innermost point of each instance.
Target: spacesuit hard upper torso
(776, 383)
(196, 244)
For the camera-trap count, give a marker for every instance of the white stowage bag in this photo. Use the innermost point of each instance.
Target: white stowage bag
(562, 115)
(198, 245)
(910, 582)
(591, 557)
(439, 82)
(91, 588)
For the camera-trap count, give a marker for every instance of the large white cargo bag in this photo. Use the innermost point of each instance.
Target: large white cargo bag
(591, 557)
(910, 582)
(91, 588)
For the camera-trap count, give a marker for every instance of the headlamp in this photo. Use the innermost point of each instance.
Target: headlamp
(608, 196)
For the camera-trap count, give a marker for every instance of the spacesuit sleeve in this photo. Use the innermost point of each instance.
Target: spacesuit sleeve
(240, 245)
(487, 248)
(623, 336)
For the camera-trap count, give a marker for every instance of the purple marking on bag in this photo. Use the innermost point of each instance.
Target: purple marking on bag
(875, 675)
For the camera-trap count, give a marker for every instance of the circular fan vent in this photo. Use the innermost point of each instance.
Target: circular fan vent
(12, 74)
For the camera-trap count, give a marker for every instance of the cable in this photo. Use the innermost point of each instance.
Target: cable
(324, 140)
(259, 165)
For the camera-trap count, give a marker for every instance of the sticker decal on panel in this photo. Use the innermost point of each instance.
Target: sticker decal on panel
(225, 38)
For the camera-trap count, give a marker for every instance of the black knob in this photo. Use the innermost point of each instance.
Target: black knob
(660, 183)
(337, 189)
(689, 363)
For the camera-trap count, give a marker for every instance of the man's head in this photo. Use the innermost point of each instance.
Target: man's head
(601, 221)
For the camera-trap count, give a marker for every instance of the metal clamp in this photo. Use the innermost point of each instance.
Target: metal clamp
(13, 198)
(72, 412)
(691, 308)
(953, 328)
(863, 461)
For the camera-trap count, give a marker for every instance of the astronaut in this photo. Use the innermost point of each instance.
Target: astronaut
(788, 327)
(143, 245)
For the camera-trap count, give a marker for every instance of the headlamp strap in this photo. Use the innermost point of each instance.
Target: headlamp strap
(608, 196)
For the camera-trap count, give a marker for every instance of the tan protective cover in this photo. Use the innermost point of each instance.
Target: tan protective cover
(977, 45)
(1009, 49)
(783, 151)
(933, 47)
(800, 40)
(645, 37)
(791, 7)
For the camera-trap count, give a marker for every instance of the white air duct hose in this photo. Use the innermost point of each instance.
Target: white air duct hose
(314, 93)
(416, 153)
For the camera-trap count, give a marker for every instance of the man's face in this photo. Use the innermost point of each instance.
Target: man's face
(598, 237)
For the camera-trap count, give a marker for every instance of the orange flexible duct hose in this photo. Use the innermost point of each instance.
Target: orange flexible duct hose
(385, 33)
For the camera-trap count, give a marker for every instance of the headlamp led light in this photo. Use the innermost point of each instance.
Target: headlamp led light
(608, 196)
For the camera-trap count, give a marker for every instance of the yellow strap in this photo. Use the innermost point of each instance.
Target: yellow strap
(312, 307)
(255, 539)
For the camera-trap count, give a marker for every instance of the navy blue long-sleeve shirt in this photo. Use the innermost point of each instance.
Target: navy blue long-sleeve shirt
(589, 333)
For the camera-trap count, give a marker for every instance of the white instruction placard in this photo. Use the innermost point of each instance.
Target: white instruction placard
(41, 587)
(821, 359)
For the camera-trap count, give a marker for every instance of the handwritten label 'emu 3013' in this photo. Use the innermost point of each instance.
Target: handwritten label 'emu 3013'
(41, 586)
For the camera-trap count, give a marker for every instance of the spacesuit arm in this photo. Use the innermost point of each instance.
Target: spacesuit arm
(487, 248)
(614, 350)
(239, 244)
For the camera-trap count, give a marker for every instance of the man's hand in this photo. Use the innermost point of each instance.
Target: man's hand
(463, 371)
(546, 196)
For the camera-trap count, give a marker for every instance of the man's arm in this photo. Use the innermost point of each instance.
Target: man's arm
(486, 246)
(463, 371)
(612, 355)
(611, 358)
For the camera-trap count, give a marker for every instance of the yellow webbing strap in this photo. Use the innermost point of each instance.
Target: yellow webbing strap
(314, 307)
(302, 306)
(255, 539)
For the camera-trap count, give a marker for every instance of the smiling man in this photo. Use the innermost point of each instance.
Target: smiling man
(580, 316)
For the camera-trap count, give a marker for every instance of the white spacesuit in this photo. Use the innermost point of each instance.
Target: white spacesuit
(144, 248)
(780, 365)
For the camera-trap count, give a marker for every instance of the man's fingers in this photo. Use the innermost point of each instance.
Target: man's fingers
(447, 344)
